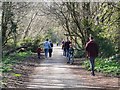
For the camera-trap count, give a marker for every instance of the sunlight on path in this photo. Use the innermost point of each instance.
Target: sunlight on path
(55, 73)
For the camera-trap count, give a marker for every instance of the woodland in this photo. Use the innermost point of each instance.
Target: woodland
(26, 25)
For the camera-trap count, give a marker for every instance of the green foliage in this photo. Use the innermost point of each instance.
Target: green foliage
(105, 43)
(36, 43)
(54, 34)
(17, 75)
(26, 42)
(111, 67)
(32, 45)
(79, 53)
(106, 32)
(106, 47)
(86, 65)
(6, 68)
(8, 61)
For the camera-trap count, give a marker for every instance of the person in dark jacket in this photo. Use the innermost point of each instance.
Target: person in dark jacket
(50, 49)
(67, 46)
(63, 48)
(92, 52)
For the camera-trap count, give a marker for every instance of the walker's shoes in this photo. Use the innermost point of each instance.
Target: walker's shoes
(71, 63)
(93, 74)
(68, 62)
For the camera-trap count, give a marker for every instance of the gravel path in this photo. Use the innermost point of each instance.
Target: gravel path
(54, 72)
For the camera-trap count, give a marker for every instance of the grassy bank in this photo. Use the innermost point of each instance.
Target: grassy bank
(10, 60)
(106, 66)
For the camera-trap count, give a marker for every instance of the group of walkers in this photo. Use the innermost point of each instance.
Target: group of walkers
(68, 50)
(48, 48)
(91, 49)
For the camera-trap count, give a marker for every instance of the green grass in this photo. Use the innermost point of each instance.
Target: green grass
(10, 60)
(106, 66)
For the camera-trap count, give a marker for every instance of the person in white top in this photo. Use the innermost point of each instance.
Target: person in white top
(46, 47)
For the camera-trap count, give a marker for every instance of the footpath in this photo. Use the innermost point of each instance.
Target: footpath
(54, 73)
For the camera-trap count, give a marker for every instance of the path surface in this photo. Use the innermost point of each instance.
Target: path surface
(55, 73)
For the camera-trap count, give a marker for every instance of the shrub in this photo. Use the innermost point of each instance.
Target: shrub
(10, 60)
(79, 53)
(106, 66)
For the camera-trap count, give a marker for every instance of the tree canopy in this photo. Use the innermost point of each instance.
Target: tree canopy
(28, 22)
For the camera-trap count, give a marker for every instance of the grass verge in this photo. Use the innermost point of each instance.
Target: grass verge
(106, 66)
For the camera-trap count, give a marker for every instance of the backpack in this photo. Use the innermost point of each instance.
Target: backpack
(51, 44)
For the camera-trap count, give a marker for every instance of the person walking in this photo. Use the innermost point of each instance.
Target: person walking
(46, 47)
(92, 52)
(71, 54)
(63, 44)
(63, 48)
(50, 49)
(38, 52)
(67, 46)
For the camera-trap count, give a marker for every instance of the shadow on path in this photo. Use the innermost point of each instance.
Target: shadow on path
(55, 73)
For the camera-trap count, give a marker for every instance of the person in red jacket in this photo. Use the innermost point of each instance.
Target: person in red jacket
(92, 51)
(39, 51)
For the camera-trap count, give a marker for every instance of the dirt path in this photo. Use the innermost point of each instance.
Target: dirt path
(55, 73)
